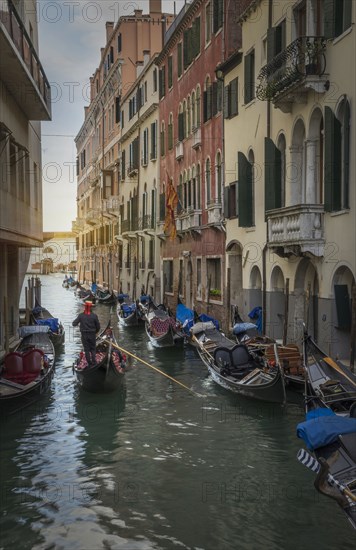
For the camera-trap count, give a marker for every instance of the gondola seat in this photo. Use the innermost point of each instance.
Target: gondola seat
(239, 355)
(32, 364)
(222, 357)
(14, 367)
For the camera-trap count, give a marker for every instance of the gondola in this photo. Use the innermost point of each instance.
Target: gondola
(85, 295)
(105, 297)
(27, 372)
(329, 430)
(130, 314)
(42, 317)
(288, 355)
(188, 317)
(108, 373)
(235, 368)
(161, 328)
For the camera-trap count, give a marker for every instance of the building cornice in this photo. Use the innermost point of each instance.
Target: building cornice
(151, 109)
(247, 12)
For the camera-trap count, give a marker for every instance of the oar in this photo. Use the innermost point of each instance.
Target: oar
(310, 462)
(156, 369)
(335, 366)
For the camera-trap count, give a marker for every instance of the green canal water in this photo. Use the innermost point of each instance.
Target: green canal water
(153, 467)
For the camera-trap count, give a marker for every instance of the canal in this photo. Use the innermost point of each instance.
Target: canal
(154, 466)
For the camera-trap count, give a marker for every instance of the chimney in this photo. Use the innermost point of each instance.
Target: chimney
(109, 26)
(155, 6)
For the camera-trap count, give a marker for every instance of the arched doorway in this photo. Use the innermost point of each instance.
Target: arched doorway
(234, 276)
(306, 297)
(341, 312)
(276, 309)
(255, 288)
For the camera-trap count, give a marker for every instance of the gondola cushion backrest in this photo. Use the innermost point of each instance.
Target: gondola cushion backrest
(239, 355)
(222, 357)
(33, 360)
(13, 366)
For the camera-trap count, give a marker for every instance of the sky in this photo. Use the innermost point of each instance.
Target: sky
(71, 33)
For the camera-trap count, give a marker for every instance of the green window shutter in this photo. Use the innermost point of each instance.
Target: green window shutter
(179, 61)
(170, 72)
(205, 106)
(249, 71)
(185, 49)
(214, 98)
(227, 101)
(180, 126)
(347, 14)
(226, 201)
(180, 198)
(273, 176)
(197, 36)
(332, 176)
(245, 196)
(117, 109)
(233, 110)
(162, 206)
(329, 18)
(346, 155)
(271, 44)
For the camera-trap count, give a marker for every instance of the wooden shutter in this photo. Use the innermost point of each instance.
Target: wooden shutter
(273, 176)
(346, 155)
(117, 109)
(233, 109)
(179, 62)
(227, 101)
(347, 14)
(247, 74)
(329, 18)
(180, 126)
(214, 98)
(197, 36)
(180, 198)
(226, 202)
(245, 191)
(153, 140)
(205, 106)
(332, 163)
(271, 43)
(343, 309)
(185, 49)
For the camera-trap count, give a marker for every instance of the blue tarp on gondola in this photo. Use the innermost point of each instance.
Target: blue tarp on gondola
(52, 323)
(323, 427)
(187, 318)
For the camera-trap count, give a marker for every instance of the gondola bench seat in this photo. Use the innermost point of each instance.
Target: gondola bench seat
(23, 368)
(289, 356)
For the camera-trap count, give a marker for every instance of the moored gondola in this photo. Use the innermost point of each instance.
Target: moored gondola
(329, 430)
(162, 328)
(27, 372)
(108, 373)
(105, 297)
(130, 314)
(237, 369)
(42, 317)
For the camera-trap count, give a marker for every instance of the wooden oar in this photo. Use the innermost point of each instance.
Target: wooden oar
(335, 366)
(156, 369)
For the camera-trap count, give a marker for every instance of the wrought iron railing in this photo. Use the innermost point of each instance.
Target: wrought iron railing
(303, 57)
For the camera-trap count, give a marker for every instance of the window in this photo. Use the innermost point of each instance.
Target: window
(213, 272)
(162, 82)
(245, 190)
(337, 17)
(218, 14)
(337, 157)
(154, 79)
(198, 106)
(168, 276)
(249, 77)
(194, 118)
(207, 100)
(163, 137)
(145, 147)
(170, 71)
(207, 23)
(231, 99)
(198, 187)
(170, 132)
(218, 177)
(208, 182)
(276, 40)
(180, 123)
(180, 59)
(119, 42)
(230, 200)
(153, 155)
(188, 118)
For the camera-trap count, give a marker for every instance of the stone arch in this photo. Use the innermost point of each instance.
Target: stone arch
(297, 167)
(234, 252)
(340, 316)
(306, 300)
(276, 304)
(255, 288)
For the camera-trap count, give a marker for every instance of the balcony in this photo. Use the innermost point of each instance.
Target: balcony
(196, 138)
(294, 72)
(146, 222)
(93, 216)
(297, 230)
(111, 207)
(179, 150)
(214, 212)
(189, 221)
(132, 170)
(20, 67)
(78, 225)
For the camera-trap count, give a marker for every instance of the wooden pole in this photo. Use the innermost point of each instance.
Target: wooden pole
(353, 328)
(6, 325)
(286, 313)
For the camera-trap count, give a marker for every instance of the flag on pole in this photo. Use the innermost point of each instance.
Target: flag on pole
(171, 204)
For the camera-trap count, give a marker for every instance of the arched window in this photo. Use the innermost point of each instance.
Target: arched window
(208, 182)
(198, 115)
(194, 118)
(218, 177)
(188, 124)
(163, 139)
(170, 132)
(198, 187)
(185, 126)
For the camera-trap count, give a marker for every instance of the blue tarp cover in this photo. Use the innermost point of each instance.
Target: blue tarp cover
(52, 323)
(126, 308)
(242, 327)
(323, 427)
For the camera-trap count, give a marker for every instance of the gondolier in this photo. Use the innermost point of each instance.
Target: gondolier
(89, 326)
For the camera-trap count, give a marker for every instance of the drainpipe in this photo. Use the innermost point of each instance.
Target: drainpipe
(264, 251)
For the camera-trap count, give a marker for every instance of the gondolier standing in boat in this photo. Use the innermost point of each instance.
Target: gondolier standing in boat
(89, 326)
